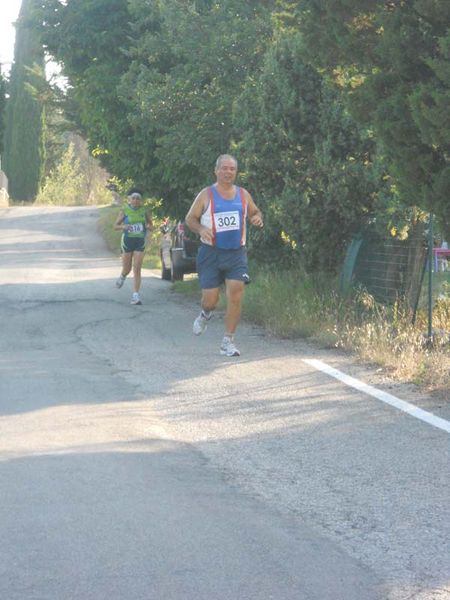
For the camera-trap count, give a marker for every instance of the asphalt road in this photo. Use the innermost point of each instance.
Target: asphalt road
(139, 464)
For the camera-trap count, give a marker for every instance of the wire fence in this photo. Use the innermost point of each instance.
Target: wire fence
(414, 273)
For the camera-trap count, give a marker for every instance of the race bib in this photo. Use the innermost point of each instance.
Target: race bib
(136, 228)
(227, 221)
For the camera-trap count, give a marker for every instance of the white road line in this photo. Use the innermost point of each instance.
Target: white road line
(410, 409)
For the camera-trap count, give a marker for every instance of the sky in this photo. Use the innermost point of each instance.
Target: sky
(9, 11)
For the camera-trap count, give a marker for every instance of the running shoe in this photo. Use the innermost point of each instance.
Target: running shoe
(120, 282)
(200, 323)
(135, 298)
(227, 348)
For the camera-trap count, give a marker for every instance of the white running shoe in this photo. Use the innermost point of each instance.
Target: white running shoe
(135, 298)
(227, 348)
(120, 282)
(200, 324)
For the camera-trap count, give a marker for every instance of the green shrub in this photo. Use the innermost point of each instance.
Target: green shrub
(64, 185)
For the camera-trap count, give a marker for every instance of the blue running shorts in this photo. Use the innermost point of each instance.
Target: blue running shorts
(129, 244)
(214, 265)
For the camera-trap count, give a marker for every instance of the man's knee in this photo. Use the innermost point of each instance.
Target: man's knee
(210, 299)
(234, 291)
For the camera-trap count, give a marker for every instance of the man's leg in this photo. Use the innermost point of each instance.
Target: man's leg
(234, 291)
(210, 298)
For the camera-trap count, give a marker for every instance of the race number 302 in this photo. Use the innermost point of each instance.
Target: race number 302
(227, 221)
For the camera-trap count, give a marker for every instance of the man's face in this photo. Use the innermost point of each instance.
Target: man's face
(226, 171)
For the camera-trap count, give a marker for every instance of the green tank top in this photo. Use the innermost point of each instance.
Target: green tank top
(136, 218)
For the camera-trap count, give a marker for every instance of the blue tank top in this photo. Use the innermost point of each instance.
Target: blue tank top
(227, 219)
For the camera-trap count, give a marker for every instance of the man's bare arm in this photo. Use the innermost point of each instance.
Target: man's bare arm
(254, 214)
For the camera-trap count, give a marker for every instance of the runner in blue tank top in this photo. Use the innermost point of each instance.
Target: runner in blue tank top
(219, 214)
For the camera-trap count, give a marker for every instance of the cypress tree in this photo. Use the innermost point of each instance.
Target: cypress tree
(24, 156)
(2, 111)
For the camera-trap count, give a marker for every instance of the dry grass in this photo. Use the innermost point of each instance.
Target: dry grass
(403, 350)
(292, 304)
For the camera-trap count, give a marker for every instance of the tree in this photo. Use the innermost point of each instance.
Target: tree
(89, 38)
(393, 59)
(64, 184)
(24, 156)
(2, 111)
(312, 168)
(152, 84)
(189, 64)
(76, 177)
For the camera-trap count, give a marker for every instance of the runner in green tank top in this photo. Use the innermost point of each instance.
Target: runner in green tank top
(134, 222)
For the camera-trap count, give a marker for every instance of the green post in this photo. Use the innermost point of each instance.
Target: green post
(430, 280)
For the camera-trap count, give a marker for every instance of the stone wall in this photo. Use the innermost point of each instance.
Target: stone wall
(4, 198)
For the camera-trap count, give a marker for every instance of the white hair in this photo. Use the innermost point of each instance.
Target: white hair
(223, 157)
